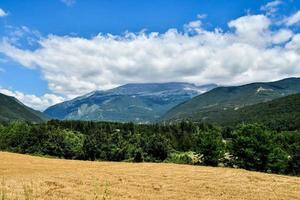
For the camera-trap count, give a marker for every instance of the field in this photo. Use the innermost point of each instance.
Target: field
(28, 177)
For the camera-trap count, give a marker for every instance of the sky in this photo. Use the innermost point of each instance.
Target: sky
(54, 50)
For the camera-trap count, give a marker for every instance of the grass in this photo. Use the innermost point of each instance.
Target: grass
(3, 190)
(28, 177)
(28, 191)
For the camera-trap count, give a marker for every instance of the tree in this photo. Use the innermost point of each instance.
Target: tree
(251, 146)
(210, 146)
(278, 160)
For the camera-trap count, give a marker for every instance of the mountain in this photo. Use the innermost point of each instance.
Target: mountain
(209, 106)
(282, 113)
(139, 103)
(12, 109)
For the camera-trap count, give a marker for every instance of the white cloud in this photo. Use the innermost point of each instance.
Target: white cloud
(271, 7)
(201, 16)
(251, 29)
(3, 13)
(292, 20)
(33, 101)
(294, 45)
(68, 2)
(250, 51)
(282, 36)
(21, 34)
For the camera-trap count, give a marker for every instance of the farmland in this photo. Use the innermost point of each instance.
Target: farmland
(29, 177)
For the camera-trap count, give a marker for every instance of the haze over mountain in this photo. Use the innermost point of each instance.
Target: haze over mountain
(211, 105)
(11, 109)
(143, 103)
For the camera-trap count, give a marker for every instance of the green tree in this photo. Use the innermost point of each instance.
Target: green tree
(251, 146)
(278, 160)
(210, 146)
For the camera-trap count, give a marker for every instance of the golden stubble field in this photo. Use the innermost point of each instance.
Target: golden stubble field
(28, 177)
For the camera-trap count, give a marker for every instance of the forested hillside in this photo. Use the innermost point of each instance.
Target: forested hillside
(210, 105)
(278, 114)
(11, 109)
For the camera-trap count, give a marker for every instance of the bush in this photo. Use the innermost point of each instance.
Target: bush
(183, 158)
(138, 157)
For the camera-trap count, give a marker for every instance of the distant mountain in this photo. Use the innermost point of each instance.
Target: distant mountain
(139, 103)
(211, 105)
(11, 109)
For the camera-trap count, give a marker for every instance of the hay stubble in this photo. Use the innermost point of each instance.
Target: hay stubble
(46, 178)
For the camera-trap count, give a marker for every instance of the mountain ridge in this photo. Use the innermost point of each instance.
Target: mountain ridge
(12, 109)
(136, 102)
(209, 104)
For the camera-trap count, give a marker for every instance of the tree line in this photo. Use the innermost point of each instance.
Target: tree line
(248, 146)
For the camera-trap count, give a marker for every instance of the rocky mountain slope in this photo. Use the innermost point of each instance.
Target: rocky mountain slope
(140, 103)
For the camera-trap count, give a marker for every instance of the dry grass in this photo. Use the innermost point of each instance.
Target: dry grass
(27, 177)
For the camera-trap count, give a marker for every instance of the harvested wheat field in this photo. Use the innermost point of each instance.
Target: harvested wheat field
(28, 177)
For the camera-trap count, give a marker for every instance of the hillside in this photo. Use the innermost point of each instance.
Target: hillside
(12, 109)
(282, 112)
(210, 105)
(43, 178)
(132, 102)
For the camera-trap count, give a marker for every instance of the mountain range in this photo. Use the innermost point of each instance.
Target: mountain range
(139, 103)
(169, 102)
(214, 106)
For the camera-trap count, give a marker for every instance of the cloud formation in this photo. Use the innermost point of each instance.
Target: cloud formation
(294, 19)
(271, 7)
(33, 101)
(3, 13)
(251, 50)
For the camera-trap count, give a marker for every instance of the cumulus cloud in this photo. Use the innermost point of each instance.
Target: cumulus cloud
(251, 50)
(292, 20)
(68, 2)
(3, 13)
(33, 101)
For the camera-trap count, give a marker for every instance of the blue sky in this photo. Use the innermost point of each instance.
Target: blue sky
(53, 50)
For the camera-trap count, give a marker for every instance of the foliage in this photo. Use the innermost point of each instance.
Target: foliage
(183, 158)
(249, 146)
(256, 148)
(210, 146)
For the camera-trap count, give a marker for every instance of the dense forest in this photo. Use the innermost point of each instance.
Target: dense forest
(248, 146)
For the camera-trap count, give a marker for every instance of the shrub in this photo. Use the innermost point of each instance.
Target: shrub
(183, 158)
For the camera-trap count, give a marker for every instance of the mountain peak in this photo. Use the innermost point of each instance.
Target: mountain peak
(137, 102)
